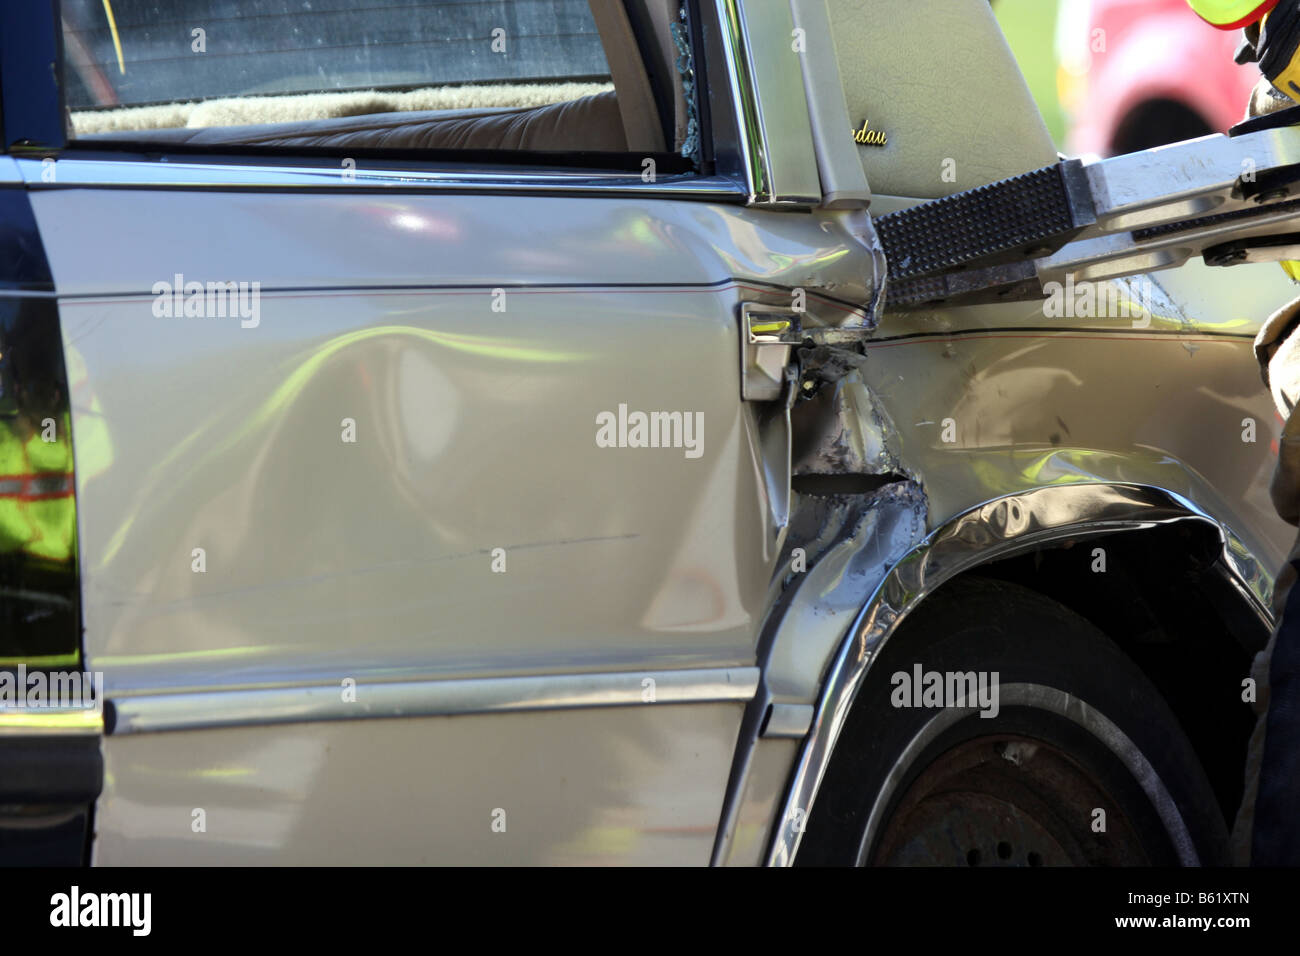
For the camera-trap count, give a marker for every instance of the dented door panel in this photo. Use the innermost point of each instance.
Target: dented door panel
(422, 385)
(475, 430)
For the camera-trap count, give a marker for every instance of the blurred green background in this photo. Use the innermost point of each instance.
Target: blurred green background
(1030, 26)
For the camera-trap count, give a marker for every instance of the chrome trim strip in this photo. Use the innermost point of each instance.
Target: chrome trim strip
(71, 171)
(27, 294)
(50, 721)
(787, 720)
(192, 710)
(740, 81)
(767, 86)
(997, 529)
(843, 178)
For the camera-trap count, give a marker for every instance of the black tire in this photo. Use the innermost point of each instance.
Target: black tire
(1021, 787)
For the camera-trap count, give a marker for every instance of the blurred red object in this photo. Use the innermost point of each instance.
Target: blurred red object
(1134, 74)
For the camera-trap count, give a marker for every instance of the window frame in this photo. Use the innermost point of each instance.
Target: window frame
(35, 133)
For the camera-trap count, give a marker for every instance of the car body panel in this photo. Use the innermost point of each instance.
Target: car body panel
(1035, 403)
(928, 76)
(634, 785)
(509, 460)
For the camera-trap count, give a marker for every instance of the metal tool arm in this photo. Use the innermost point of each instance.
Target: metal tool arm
(1229, 198)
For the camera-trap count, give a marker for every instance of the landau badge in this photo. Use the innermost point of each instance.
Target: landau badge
(869, 137)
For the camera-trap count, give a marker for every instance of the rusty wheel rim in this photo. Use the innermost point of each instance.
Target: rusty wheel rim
(1006, 800)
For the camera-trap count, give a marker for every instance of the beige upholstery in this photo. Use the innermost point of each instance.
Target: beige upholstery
(640, 115)
(591, 123)
(660, 14)
(330, 104)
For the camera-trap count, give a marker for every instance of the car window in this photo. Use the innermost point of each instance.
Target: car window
(405, 75)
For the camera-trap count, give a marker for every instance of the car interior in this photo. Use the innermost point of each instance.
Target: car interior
(643, 110)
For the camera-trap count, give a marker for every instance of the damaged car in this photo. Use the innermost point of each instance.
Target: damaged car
(659, 441)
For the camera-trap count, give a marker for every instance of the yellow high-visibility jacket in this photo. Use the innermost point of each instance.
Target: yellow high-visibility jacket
(1231, 14)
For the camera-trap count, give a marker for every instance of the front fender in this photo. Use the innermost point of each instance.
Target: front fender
(999, 528)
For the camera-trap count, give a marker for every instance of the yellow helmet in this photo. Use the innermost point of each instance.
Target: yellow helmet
(1231, 14)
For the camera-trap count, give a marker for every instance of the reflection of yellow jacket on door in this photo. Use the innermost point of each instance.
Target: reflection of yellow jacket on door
(37, 511)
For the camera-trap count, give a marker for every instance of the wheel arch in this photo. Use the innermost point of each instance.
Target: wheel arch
(1009, 536)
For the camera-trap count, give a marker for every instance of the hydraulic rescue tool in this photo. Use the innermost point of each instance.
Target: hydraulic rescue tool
(1230, 199)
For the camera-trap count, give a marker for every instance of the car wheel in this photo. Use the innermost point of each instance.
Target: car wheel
(1080, 761)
